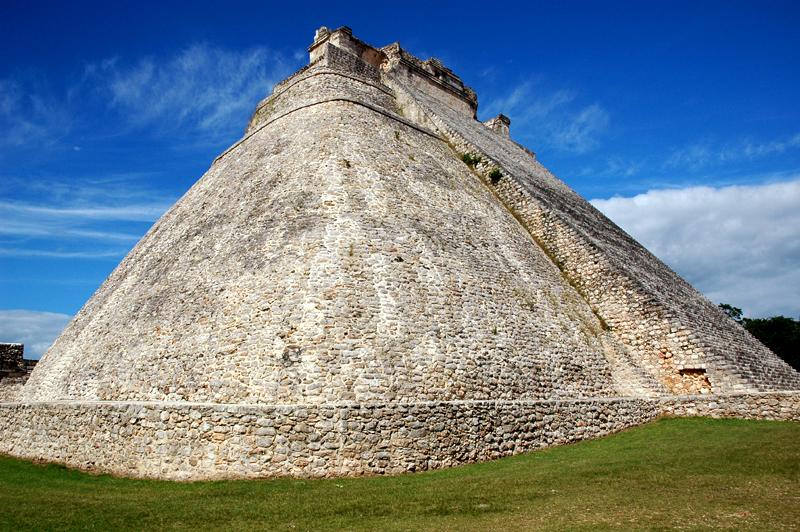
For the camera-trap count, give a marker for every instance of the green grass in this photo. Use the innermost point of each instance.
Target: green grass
(686, 473)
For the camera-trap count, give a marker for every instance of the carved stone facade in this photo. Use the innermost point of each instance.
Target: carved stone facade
(371, 280)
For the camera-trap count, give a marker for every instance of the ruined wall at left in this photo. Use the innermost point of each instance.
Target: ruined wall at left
(14, 370)
(11, 357)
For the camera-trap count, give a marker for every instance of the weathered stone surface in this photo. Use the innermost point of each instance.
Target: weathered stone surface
(669, 331)
(372, 281)
(11, 357)
(14, 370)
(186, 441)
(338, 253)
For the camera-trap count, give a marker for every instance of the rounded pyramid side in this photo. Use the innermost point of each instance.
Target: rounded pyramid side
(671, 331)
(337, 254)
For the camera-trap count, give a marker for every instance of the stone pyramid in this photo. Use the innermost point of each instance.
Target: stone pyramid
(371, 280)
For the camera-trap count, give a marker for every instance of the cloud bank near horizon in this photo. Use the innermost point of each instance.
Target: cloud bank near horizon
(736, 244)
(37, 330)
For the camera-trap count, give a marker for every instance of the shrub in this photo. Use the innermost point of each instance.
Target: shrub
(470, 159)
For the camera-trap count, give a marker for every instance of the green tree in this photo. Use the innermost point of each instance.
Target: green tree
(735, 313)
(779, 333)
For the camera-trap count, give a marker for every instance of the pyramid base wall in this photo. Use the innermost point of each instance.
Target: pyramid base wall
(185, 441)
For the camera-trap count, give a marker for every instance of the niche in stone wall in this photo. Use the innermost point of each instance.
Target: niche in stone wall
(694, 381)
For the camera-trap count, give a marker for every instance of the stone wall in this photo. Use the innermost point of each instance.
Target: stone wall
(775, 405)
(197, 441)
(321, 84)
(338, 59)
(431, 78)
(345, 43)
(11, 387)
(184, 441)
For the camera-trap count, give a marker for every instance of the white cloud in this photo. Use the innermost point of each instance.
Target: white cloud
(37, 330)
(90, 219)
(43, 229)
(614, 166)
(139, 213)
(54, 254)
(693, 156)
(202, 89)
(751, 149)
(579, 132)
(552, 118)
(705, 153)
(736, 244)
(29, 116)
(202, 92)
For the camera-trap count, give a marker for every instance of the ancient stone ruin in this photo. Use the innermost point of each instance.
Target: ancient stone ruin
(14, 370)
(373, 281)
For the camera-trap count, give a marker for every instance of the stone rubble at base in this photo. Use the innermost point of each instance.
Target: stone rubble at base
(373, 281)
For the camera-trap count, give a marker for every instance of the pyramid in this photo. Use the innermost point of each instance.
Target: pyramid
(373, 281)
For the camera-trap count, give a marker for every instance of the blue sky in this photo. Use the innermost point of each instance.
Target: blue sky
(679, 120)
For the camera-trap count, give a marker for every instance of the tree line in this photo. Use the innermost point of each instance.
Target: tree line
(779, 333)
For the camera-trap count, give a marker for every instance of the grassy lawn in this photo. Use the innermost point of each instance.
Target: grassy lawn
(682, 473)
